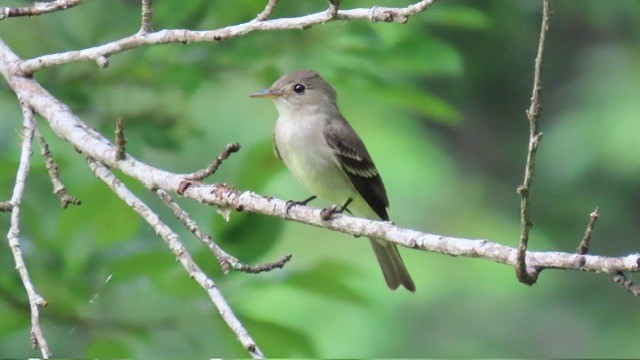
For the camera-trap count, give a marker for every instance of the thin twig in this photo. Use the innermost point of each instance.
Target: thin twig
(225, 260)
(211, 168)
(626, 284)
(121, 141)
(13, 236)
(102, 52)
(529, 276)
(583, 248)
(38, 8)
(59, 189)
(175, 245)
(146, 25)
(268, 9)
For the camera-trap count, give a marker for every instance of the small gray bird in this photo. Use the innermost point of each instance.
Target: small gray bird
(326, 155)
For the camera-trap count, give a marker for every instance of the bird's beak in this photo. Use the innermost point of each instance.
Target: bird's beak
(266, 93)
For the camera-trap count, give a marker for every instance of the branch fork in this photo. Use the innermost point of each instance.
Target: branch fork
(103, 155)
(526, 274)
(36, 302)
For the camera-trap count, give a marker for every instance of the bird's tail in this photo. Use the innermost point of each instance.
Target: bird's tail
(393, 269)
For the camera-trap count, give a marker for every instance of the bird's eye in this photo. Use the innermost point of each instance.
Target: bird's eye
(299, 88)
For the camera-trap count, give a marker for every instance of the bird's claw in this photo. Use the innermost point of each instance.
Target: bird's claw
(290, 204)
(327, 212)
(184, 185)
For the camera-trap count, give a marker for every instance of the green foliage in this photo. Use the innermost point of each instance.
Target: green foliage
(283, 341)
(440, 103)
(251, 235)
(327, 278)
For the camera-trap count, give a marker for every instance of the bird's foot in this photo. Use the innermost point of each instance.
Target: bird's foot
(184, 185)
(292, 203)
(326, 213)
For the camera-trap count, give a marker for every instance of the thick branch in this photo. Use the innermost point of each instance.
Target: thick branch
(484, 249)
(524, 190)
(102, 52)
(175, 245)
(13, 236)
(38, 8)
(68, 126)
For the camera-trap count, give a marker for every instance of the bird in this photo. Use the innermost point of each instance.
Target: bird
(326, 155)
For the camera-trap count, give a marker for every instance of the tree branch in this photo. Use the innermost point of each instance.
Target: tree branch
(626, 284)
(583, 248)
(222, 195)
(13, 236)
(525, 274)
(175, 245)
(38, 8)
(68, 126)
(225, 260)
(268, 9)
(146, 25)
(211, 168)
(121, 141)
(334, 6)
(59, 189)
(102, 52)
(102, 154)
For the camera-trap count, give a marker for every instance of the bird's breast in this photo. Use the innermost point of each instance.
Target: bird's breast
(303, 149)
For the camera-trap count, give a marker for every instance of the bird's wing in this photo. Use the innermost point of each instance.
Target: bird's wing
(354, 159)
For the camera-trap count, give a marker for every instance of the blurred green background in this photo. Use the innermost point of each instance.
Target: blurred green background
(440, 103)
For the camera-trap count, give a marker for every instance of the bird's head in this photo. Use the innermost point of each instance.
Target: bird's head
(300, 90)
